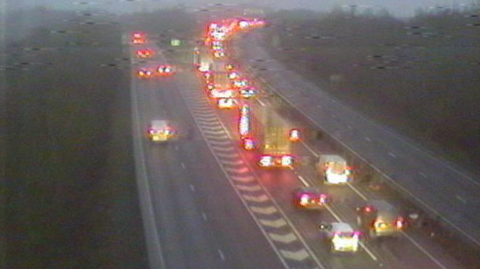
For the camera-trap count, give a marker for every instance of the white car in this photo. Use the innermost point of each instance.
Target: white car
(334, 169)
(226, 103)
(341, 237)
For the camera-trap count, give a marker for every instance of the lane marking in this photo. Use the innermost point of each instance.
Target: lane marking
(258, 199)
(310, 149)
(295, 255)
(249, 188)
(183, 165)
(273, 223)
(438, 263)
(192, 187)
(261, 103)
(357, 192)
(368, 139)
(222, 256)
(303, 181)
(285, 238)
(392, 155)
(423, 174)
(177, 148)
(461, 199)
(204, 216)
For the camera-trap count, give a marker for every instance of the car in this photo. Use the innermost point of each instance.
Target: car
(341, 237)
(165, 70)
(160, 131)
(226, 103)
(310, 198)
(145, 53)
(248, 92)
(379, 218)
(334, 169)
(145, 73)
(139, 38)
(240, 83)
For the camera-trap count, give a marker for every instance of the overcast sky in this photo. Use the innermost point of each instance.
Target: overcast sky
(397, 7)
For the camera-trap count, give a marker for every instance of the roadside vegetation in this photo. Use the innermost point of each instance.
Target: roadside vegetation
(418, 76)
(71, 190)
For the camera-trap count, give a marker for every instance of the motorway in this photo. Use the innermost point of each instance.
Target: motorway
(205, 204)
(439, 186)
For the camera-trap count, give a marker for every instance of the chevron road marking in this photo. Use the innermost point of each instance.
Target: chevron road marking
(243, 179)
(257, 199)
(295, 255)
(249, 188)
(264, 210)
(287, 238)
(273, 223)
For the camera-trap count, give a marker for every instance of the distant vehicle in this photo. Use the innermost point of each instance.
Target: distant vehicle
(145, 53)
(310, 198)
(341, 237)
(334, 169)
(240, 83)
(145, 73)
(160, 131)
(226, 103)
(379, 218)
(165, 70)
(294, 135)
(139, 38)
(248, 93)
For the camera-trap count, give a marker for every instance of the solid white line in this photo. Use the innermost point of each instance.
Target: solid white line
(204, 216)
(392, 155)
(357, 192)
(261, 103)
(310, 149)
(150, 223)
(222, 256)
(303, 181)
(424, 251)
(183, 165)
(368, 139)
(192, 187)
(423, 174)
(461, 199)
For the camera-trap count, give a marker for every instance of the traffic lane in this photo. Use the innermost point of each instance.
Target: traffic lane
(403, 251)
(231, 227)
(422, 159)
(280, 184)
(346, 208)
(178, 223)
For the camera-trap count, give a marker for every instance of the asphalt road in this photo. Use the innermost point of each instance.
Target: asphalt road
(439, 186)
(192, 216)
(206, 204)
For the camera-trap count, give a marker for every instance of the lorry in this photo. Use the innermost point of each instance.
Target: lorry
(269, 134)
(202, 59)
(221, 86)
(333, 169)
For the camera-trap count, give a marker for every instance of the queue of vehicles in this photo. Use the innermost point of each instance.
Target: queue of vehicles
(262, 130)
